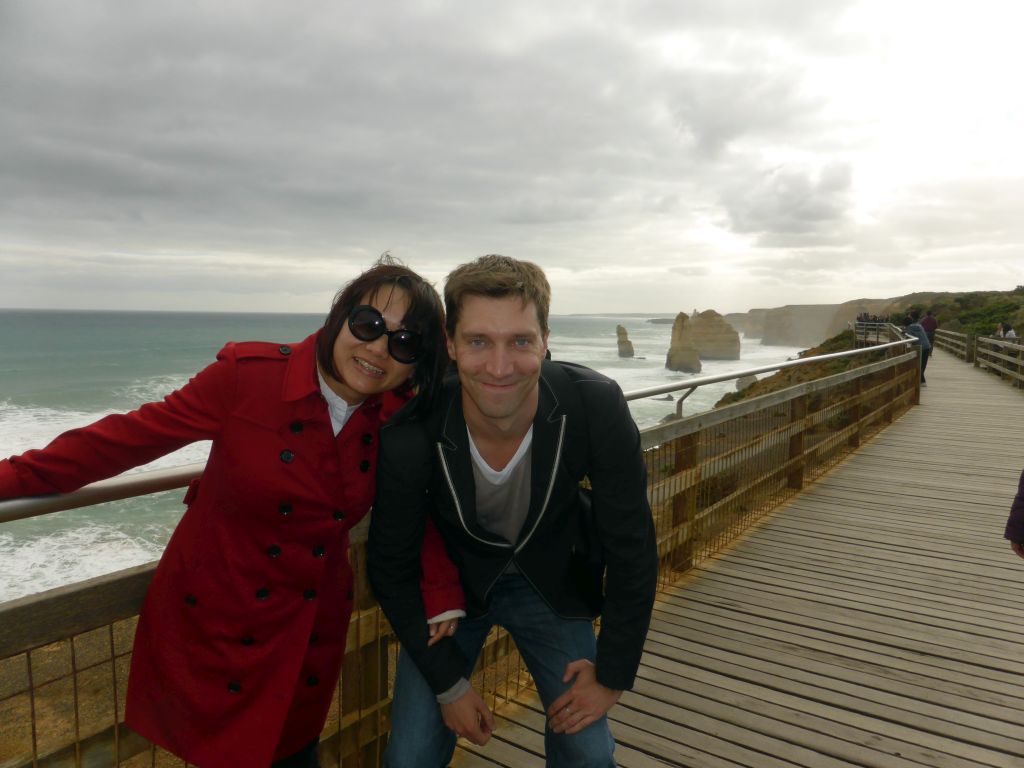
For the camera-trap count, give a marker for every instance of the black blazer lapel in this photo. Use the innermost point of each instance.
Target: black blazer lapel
(457, 468)
(548, 438)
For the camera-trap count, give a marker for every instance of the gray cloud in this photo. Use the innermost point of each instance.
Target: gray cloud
(140, 139)
(716, 108)
(790, 207)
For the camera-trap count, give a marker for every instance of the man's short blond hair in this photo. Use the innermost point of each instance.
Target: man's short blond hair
(497, 277)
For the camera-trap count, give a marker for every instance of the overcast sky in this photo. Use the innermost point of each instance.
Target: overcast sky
(651, 155)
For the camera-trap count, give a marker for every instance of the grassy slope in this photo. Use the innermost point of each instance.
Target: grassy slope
(792, 376)
(974, 312)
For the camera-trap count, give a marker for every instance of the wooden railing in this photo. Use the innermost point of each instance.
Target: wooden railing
(64, 653)
(873, 334)
(959, 344)
(1003, 357)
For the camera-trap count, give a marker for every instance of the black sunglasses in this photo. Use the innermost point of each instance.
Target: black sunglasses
(367, 324)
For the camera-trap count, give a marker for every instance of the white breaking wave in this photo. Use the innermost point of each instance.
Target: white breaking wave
(23, 428)
(34, 564)
(149, 390)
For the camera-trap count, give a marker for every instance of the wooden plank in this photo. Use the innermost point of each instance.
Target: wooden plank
(870, 735)
(965, 742)
(833, 666)
(997, 702)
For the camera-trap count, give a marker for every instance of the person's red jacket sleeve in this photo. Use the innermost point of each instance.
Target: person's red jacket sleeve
(125, 440)
(439, 578)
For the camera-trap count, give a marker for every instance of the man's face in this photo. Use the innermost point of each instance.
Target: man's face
(498, 347)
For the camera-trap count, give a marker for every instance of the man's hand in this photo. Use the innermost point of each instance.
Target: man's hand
(469, 717)
(1018, 547)
(584, 703)
(441, 629)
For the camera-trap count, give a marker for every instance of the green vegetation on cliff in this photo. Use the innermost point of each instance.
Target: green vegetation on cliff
(790, 377)
(976, 313)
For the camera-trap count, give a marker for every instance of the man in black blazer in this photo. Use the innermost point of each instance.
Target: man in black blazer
(498, 467)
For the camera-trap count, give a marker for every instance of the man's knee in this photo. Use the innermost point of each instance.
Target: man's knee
(593, 747)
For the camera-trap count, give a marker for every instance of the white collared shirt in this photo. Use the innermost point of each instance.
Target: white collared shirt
(337, 406)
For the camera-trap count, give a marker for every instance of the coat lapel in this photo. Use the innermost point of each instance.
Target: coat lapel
(548, 434)
(457, 468)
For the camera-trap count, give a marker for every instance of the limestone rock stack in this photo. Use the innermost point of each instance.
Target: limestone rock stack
(714, 338)
(745, 381)
(682, 352)
(625, 345)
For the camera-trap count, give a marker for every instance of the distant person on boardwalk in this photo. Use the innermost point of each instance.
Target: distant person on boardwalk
(498, 468)
(913, 327)
(1015, 524)
(241, 636)
(1005, 331)
(930, 324)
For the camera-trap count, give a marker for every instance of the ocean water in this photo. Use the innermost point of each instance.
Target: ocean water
(65, 369)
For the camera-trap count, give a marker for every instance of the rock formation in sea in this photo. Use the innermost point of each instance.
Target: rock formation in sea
(625, 345)
(714, 338)
(682, 352)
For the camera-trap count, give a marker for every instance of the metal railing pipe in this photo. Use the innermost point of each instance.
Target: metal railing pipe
(663, 389)
(111, 489)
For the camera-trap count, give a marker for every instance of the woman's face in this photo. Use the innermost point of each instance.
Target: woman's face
(365, 367)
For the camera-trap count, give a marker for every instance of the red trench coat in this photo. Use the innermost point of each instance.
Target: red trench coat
(242, 632)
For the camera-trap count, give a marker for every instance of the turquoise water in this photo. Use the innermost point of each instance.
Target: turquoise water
(61, 370)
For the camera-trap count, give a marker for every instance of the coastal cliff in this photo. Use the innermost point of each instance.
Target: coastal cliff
(800, 325)
(803, 325)
(750, 324)
(807, 325)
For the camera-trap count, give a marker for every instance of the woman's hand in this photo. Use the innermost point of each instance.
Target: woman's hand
(441, 629)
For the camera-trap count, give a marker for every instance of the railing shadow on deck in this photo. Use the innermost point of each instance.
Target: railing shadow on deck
(64, 653)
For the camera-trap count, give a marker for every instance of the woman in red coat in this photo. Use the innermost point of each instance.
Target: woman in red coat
(242, 632)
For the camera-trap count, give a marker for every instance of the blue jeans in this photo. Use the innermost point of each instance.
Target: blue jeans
(547, 642)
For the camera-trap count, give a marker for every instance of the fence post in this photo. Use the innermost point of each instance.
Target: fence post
(364, 680)
(797, 415)
(915, 366)
(892, 391)
(858, 412)
(684, 504)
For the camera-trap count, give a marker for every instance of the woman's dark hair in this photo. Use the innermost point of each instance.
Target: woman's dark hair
(425, 316)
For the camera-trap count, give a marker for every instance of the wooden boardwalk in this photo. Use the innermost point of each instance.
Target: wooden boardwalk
(874, 620)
